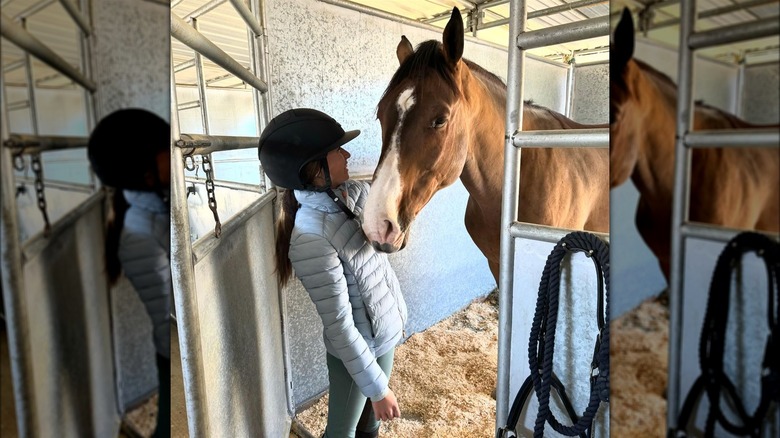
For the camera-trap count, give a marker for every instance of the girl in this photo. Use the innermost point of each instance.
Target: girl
(138, 236)
(354, 288)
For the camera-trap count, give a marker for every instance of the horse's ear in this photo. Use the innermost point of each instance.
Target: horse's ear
(404, 49)
(622, 47)
(453, 37)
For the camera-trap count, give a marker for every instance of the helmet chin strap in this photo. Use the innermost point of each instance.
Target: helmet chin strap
(327, 189)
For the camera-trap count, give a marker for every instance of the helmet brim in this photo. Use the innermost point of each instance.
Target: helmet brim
(346, 138)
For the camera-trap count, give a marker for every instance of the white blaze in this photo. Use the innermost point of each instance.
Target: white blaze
(386, 189)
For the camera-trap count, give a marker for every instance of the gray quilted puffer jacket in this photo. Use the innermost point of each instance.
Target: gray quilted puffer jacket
(353, 287)
(144, 252)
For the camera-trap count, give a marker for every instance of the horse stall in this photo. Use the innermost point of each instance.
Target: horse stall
(244, 343)
(737, 73)
(79, 351)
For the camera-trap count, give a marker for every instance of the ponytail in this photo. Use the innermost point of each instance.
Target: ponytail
(116, 222)
(288, 207)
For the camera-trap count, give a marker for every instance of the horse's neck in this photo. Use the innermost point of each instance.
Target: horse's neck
(654, 171)
(484, 168)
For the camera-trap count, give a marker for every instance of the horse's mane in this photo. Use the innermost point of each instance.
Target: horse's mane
(733, 120)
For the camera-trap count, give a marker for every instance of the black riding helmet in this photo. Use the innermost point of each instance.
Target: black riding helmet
(124, 145)
(295, 138)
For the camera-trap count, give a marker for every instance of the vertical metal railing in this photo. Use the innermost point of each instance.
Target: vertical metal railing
(13, 261)
(184, 259)
(519, 42)
(691, 40)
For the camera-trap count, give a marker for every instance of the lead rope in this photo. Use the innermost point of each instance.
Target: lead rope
(542, 341)
(712, 344)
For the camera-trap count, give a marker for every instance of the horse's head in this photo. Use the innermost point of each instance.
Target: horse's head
(424, 134)
(623, 96)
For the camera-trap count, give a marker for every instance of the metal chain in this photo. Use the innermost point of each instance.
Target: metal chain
(206, 160)
(35, 161)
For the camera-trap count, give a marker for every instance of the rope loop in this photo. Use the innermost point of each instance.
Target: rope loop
(713, 380)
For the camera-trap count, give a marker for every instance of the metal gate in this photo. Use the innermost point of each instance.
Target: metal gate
(520, 41)
(686, 139)
(229, 309)
(56, 303)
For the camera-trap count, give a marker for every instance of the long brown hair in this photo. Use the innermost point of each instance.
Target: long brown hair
(288, 207)
(116, 222)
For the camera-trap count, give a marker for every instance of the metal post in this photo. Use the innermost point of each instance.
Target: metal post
(509, 205)
(740, 86)
(77, 16)
(569, 87)
(680, 207)
(13, 287)
(259, 49)
(201, 85)
(86, 68)
(30, 85)
(184, 288)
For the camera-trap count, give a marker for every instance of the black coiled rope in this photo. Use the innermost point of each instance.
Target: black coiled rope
(713, 380)
(542, 343)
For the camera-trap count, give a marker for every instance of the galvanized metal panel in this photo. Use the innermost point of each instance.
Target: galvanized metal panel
(69, 331)
(239, 332)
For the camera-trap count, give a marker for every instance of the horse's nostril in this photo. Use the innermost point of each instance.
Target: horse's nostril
(389, 230)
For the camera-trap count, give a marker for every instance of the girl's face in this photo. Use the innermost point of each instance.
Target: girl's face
(337, 165)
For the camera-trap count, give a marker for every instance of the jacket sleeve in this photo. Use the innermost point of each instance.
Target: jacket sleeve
(319, 268)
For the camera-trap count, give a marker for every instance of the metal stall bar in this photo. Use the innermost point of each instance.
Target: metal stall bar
(183, 276)
(543, 233)
(515, 140)
(32, 144)
(545, 12)
(19, 36)
(205, 144)
(13, 280)
(200, 44)
(690, 40)
(705, 14)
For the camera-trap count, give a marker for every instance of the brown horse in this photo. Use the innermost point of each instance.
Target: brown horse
(736, 188)
(443, 117)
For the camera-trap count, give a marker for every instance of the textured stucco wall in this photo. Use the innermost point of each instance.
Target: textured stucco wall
(760, 95)
(131, 52)
(590, 94)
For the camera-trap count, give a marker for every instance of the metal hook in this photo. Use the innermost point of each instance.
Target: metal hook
(19, 163)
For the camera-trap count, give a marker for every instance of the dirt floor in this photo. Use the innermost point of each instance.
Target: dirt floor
(638, 367)
(141, 421)
(443, 378)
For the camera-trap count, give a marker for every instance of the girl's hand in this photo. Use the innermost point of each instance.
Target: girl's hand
(387, 408)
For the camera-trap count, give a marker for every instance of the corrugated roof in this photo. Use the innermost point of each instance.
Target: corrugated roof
(666, 11)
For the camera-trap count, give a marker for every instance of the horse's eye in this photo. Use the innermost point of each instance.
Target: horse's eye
(439, 122)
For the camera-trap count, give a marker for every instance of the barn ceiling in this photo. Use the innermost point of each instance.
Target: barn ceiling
(48, 21)
(665, 14)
